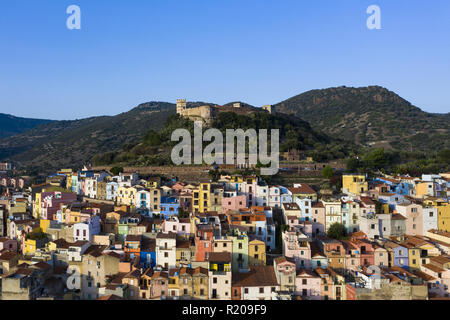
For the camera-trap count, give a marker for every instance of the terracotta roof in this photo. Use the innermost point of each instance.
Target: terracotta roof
(62, 243)
(318, 204)
(110, 297)
(258, 276)
(133, 238)
(42, 266)
(441, 259)
(201, 270)
(305, 273)
(397, 216)
(303, 189)
(219, 257)
(8, 256)
(315, 250)
(169, 235)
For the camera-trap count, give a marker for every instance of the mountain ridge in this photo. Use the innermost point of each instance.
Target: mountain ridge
(370, 116)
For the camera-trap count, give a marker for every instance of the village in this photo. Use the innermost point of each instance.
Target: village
(94, 235)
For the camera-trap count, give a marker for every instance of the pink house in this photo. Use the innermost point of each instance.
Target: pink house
(8, 244)
(414, 219)
(181, 226)
(178, 187)
(233, 203)
(308, 285)
(305, 227)
(297, 247)
(318, 218)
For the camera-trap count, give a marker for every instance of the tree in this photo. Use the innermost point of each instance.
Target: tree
(327, 172)
(353, 165)
(376, 159)
(116, 170)
(337, 231)
(444, 156)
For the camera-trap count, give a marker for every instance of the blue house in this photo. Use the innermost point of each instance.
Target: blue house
(398, 255)
(147, 258)
(169, 207)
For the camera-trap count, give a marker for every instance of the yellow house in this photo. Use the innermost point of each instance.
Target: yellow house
(201, 199)
(126, 196)
(37, 206)
(29, 247)
(69, 182)
(237, 178)
(354, 184)
(443, 208)
(153, 183)
(51, 246)
(173, 285)
(257, 253)
(444, 216)
(44, 224)
(424, 189)
(385, 208)
(413, 256)
(18, 206)
(215, 266)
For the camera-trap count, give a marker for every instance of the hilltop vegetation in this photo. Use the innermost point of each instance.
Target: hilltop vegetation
(371, 116)
(10, 125)
(155, 147)
(73, 143)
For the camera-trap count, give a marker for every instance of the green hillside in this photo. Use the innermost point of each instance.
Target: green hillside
(10, 125)
(371, 116)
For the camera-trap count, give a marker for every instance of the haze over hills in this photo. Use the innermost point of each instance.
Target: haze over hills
(371, 116)
(11, 125)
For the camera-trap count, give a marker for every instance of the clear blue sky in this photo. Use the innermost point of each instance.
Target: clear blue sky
(257, 51)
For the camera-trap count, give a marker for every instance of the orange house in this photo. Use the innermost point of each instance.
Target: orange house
(132, 247)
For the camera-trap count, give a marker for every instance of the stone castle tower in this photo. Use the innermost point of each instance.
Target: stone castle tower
(181, 106)
(202, 113)
(269, 108)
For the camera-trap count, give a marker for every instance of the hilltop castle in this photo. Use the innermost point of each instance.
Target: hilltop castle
(208, 113)
(203, 113)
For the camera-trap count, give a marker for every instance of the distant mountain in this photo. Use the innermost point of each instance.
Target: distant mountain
(10, 125)
(72, 143)
(370, 116)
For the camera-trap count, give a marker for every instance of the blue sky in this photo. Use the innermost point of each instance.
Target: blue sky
(257, 51)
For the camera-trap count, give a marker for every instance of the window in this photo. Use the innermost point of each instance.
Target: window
(304, 281)
(214, 280)
(261, 290)
(246, 290)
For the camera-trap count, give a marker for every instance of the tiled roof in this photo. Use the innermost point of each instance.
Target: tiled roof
(260, 276)
(303, 189)
(219, 257)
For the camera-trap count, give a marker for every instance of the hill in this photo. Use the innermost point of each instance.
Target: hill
(10, 125)
(371, 116)
(155, 147)
(72, 143)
